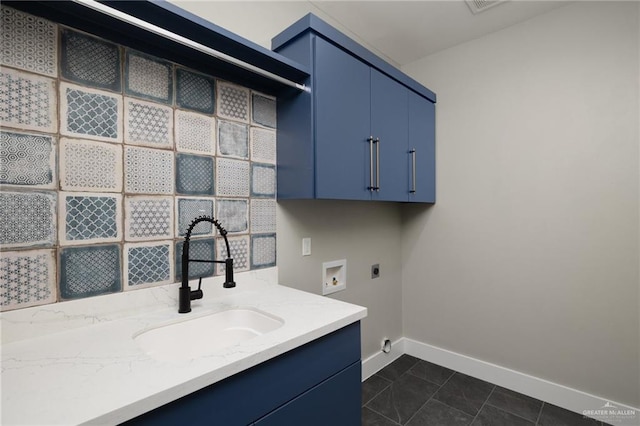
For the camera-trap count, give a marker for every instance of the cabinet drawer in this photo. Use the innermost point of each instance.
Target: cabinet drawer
(336, 402)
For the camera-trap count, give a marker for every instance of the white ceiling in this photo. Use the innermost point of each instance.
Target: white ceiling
(400, 31)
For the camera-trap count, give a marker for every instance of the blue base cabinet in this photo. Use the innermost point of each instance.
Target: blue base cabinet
(316, 384)
(365, 131)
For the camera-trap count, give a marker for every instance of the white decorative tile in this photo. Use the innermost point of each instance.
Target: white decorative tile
(194, 174)
(263, 251)
(239, 246)
(233, 139)
(233, 101)
(148, 171)
(29, 42)
(89, 218)
(232, 178)
(195, 133)
(195, 91)
(149, 124)
(187, 209)
(89, 271)
(263, 180)
(90, 166)
(263, 109)
(27, 160)
(27, 101)
(263, 215)
(90, 113)
(89, 60)
(148, 264)
(233, 215)
(27, 278)
(27, 219)
(148, 218)
(148, 77)
(263, 145)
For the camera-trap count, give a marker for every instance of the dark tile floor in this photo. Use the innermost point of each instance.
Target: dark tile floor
(413, 392)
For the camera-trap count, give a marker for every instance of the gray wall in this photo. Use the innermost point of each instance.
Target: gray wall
(364, 233)
(530, 257)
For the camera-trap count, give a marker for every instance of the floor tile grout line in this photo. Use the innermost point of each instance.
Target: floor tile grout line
(382, 390)
(510, 412)
(382, 415)
(432, 396)
(540, 413)
(483, 404)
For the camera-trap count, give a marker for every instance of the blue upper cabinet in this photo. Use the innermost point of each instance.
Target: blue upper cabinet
(365, 131)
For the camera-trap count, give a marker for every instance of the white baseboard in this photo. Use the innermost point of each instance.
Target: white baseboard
(562, 396)
(378, 361)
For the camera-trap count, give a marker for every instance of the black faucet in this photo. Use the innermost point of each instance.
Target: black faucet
(186, 295)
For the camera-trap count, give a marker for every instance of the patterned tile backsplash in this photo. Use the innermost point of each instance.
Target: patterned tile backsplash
(90, 113)
(90, 61)
(90, 166)
(27, 101)
(27, 160)
(107, 154)
(148, 77)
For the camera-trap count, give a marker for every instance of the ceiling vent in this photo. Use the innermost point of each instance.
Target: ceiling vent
(478, 6)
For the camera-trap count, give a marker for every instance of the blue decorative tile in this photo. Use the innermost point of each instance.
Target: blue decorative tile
(187, 209)
(195, 91)
(29, 43)
(27, 160)
(264, 110)
(88, 218)
(90, 113)
(195, 133)
(239, 253)
(90, 166)
(233, 102)
(90, 61)
(148, 171)
(148, 264)
(148, 124)
(263, 251)
(148, 77)
(263, 145)
(232, 178)
(27, 278)
(148, 218)
(198, 249)
(89, 271)
(27, 219)
(233, 139)
(263, 180)
(27, 101)
(233, 215)
(263, 215)
(194, 175)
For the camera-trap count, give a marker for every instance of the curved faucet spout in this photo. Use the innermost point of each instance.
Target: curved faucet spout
(186, 295)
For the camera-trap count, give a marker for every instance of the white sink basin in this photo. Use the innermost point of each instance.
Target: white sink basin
(201, 336)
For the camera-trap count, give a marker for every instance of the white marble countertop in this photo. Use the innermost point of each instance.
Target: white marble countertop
(77, 363)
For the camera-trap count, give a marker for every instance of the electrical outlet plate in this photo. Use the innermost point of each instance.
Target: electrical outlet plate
(306, 246)
(375, 271)
(334, 276)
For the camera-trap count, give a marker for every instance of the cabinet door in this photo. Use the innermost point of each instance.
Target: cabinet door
(389, 119)
(422, 137)
(342, 103)
(336, 401)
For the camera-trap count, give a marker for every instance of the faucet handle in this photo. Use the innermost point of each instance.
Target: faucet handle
(197, 294)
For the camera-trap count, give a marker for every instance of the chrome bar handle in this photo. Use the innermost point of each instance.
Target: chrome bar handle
(370, 187)
(377, 164)
(413, 171)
